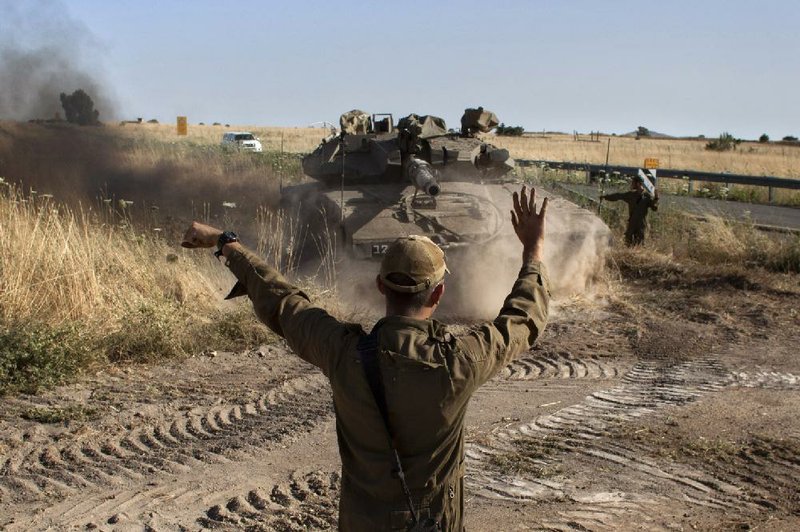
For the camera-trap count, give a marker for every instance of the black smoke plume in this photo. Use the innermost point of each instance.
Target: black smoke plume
(44, 52)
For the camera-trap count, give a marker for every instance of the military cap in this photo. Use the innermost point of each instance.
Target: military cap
(416, 257)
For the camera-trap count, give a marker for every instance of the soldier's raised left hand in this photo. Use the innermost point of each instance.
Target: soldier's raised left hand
(201, 236)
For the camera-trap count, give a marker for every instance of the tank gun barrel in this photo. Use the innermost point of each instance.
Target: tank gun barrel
(420, 173)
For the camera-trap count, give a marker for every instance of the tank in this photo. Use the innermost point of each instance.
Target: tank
(377, 180)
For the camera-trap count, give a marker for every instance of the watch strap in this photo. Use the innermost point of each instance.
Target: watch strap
(225, 238)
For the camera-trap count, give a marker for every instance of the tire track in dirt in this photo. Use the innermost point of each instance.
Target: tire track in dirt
(582, 430)
(126, 463)
(761, 479)
(298, 505)
(562, 365)
(168, 446)
(767, 379)
(585, 432)
(309, 501)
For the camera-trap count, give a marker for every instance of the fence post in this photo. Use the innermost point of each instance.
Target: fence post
(771, 195)
(691, 187)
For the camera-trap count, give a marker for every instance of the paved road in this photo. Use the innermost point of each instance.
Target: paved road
(763, 215)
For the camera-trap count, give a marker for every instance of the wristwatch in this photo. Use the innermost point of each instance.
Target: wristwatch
(225, 238)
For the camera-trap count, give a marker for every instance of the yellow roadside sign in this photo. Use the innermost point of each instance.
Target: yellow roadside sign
(183, 129)
(650, 164)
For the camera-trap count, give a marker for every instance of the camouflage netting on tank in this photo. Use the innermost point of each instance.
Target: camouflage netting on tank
(478, 121)
(355, 122)
(423, 126)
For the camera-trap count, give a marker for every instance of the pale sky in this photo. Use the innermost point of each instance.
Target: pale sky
(677, 67)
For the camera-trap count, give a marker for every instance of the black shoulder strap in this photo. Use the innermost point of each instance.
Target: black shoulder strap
(368, 354)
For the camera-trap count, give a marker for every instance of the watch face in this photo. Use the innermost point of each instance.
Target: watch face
(226, 238)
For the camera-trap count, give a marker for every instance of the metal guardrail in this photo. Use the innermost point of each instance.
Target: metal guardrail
(691, 175)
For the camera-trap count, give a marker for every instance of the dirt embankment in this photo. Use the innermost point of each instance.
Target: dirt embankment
(668, 402)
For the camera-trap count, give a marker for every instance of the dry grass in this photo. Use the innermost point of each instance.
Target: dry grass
(97, 277)
(713, 241)
(750, 158)
(85, 288)
(74, 266)
(537, 458)
(293, 139)
(76, 289)
(718, 241)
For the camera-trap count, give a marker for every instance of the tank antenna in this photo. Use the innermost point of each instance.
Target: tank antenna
(341, 190)
(280, 165)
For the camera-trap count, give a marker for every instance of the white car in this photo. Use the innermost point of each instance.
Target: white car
(242, 140)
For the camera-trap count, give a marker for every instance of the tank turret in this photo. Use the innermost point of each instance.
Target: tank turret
(371, 149)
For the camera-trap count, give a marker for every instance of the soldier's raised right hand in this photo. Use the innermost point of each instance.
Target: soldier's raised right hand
(528, 224)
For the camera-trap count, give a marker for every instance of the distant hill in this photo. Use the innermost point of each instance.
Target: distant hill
(642, 131)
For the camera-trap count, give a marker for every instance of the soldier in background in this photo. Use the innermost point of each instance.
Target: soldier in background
(426, 375)
(639, 203)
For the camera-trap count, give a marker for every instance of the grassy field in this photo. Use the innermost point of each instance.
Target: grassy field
(90, 270)
(91, 273)
(81, 289)
(675, 236)
(750, 158)
(294, 139)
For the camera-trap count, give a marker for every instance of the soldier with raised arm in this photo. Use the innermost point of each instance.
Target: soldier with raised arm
(400, 424)
(639, 202)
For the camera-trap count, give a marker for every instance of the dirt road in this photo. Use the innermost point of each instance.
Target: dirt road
(669, 401)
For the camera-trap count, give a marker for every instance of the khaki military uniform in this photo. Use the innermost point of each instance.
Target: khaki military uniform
(638, 205)
(429, 376)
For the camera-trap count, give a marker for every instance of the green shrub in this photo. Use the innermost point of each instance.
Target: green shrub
(150, 331)
(239, 328)
(33, 356)
(747, 195)
(725, 142)
(79, 108)
(763, 138)
(43, 414)
(510, 131)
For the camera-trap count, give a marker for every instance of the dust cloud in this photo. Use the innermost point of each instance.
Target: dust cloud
(44, 52)
(575, 247)
(483, 275)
